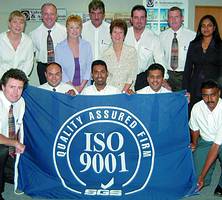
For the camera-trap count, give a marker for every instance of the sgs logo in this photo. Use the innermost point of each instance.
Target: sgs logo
(103, 151)
(101, 192)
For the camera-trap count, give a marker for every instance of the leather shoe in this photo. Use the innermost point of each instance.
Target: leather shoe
(218, 191)
(1, 198)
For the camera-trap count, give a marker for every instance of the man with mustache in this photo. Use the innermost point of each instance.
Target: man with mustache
(206, 133)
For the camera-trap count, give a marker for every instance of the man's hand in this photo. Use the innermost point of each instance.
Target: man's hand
(130, 91)
(166, 85)
(188, 96)
(200, 183)
(19, 147)
(193, 146)
(71, 92)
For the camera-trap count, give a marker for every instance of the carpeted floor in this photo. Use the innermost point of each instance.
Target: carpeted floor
(205, 194)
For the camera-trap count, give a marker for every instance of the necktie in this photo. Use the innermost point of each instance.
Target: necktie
(11, 130)
(54, 90)
(174, 53)
(50, 48)
(76, 77)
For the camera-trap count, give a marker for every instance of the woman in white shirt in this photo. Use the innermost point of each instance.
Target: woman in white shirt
(16, 49)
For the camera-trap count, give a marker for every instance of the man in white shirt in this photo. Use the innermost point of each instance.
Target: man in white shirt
(155, 78)
(96, 30)
(11, 104)
(99, 75)
(184, 36)
(206, 133)
(146, 43)
(54, 82)
(39, 37)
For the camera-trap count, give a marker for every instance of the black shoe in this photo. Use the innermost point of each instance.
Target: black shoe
(1, 198)
(218, 191)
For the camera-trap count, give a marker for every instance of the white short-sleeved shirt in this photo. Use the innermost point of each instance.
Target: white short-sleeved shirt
(149, 90)
(39, 39)
(108, 90)
(99, 37)
(148, 48)
(208, 123)
(61, 88)
(184, 37)
(18, 112)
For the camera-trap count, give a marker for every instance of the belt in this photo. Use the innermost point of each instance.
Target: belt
(175, 72)
(42, 63)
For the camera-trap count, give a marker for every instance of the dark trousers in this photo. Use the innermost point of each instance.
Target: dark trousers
(3, 159)
(41, 68)
(175, 80)
(141, 81)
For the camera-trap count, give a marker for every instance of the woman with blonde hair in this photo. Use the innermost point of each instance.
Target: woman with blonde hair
(74, 55)
(16, 48)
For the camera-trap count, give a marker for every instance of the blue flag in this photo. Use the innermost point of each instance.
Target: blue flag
(106, 147)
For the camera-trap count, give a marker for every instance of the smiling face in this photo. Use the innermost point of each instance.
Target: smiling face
(16, 25)
(99, 75)
(175, 19)
(207, 28)
(13, 89)
(155, 79)
(49, 16)
(138, 20)
(73, 29)
(53, 75)
(211, 97)
(117, 35)
(96, 16)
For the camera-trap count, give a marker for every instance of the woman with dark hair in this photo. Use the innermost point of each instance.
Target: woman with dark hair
(204, 58)
(120, 58)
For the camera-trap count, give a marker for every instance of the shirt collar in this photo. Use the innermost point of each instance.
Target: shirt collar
(96, 88)
(48, 28)
(178, 31)
(6, 102)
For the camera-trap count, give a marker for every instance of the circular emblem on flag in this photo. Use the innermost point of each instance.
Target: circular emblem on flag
(103, 151)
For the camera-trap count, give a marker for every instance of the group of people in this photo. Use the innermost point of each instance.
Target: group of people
(116, 59)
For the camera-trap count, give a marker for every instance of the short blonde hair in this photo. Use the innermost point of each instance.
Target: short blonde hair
(16, 13)
(74, 18)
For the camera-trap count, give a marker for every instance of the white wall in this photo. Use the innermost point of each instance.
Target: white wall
(72, 6)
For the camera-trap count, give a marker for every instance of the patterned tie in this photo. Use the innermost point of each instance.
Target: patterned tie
(11, 130)
(50, 48)
(174, 53)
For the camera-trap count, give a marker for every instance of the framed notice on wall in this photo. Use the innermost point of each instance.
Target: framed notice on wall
(157, 11)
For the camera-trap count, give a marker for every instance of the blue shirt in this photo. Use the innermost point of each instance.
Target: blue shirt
(64, 56)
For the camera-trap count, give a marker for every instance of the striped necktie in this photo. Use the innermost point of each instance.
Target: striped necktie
(50, 48)
(174, 53)
(11, 130)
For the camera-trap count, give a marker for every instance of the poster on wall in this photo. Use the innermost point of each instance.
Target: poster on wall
(34, 14)
(157, 11)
